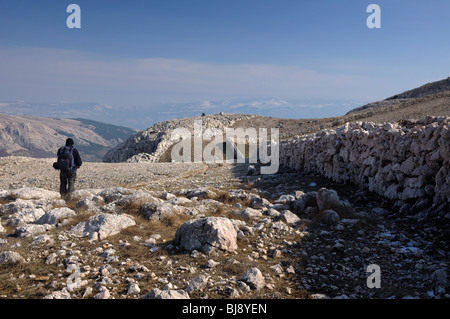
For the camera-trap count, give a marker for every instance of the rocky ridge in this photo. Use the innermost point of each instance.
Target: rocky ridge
(150, 145)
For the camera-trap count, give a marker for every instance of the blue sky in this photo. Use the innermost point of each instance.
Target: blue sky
(145, 55)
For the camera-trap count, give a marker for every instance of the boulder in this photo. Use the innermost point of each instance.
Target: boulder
(254, 278)
(103, 294)
(289, 217)
(114, 193)
(138, 198)
(25, 206)
(328, 199)
(133, 289)
(25, 217)
(166, 294)
(19, 205)
(299, 205)
(102, 225)
(330, 217)
(207, 234)
(250, 213)
(28, 230)
(256, 202)
(197, 284)
(251, 170)
(61, 294)
(56, 216)
(88, 204)
(285, 199)
(201, 193)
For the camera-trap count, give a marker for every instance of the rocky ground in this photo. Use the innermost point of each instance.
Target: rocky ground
(163, 230)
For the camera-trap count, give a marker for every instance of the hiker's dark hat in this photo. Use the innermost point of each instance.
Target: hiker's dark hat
(69, 142)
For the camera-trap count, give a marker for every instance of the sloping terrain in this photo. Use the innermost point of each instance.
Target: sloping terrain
(428, 90)
(41, 137)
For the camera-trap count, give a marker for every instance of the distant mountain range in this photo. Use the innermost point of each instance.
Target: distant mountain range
(144, 117)
(41, 137)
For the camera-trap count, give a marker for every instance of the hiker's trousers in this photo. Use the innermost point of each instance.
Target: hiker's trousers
(67, 182)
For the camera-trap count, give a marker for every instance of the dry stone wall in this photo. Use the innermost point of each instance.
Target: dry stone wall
(408, 161)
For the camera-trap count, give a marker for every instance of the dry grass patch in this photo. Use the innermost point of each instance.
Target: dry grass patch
(224, 196)
(26, 280)
(223, 211)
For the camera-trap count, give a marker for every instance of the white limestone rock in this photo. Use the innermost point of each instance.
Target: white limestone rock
(100, 226)
(207, 234)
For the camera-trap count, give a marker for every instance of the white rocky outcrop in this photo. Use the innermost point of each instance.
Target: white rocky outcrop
(56, 216)
(149, 145)
(23, 211)
(28, 230)
(102, 225)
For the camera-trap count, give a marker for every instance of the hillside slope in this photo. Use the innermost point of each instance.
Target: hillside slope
(41, 137)
(432, 89)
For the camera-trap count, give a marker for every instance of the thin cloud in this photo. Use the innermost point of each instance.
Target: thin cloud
(38, 74)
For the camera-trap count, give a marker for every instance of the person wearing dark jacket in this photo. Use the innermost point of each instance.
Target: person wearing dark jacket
(68, 166)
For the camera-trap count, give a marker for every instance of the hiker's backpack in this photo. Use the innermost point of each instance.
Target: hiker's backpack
(65, 159)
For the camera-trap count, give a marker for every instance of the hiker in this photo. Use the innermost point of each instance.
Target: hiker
(68, 162)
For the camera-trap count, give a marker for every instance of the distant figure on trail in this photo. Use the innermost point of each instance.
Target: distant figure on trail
(68, 162)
